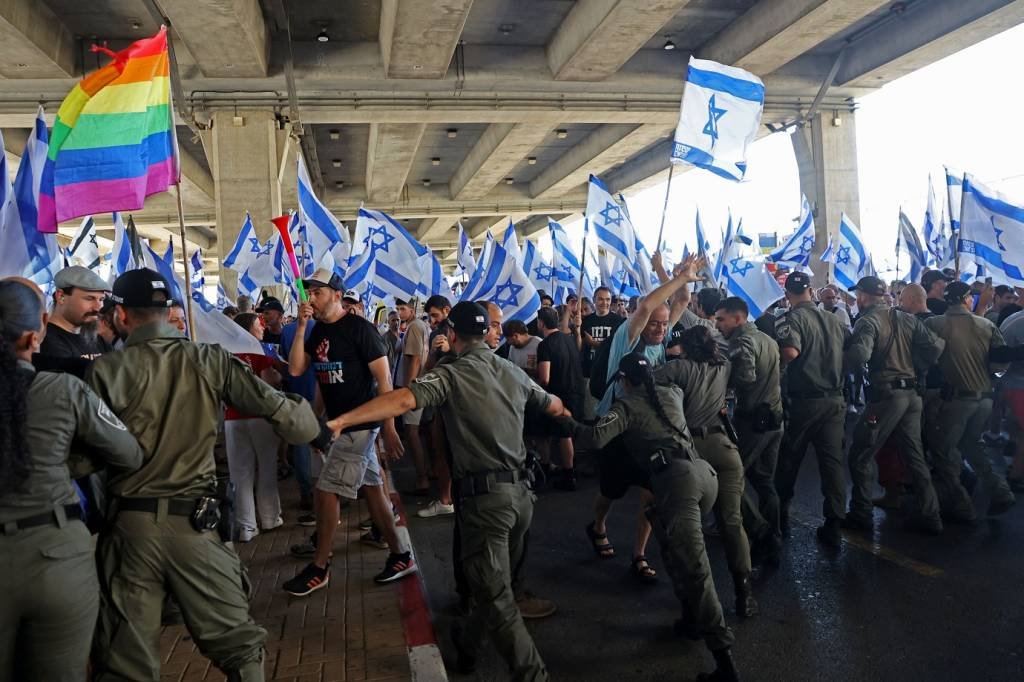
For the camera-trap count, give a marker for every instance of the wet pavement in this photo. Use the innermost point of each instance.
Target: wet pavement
(896, 606)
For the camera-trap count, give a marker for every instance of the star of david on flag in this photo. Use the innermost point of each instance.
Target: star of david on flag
(851, 258)
(246, 248)
(505, 284)
(718, 118)
(750, 280)
(611, 225)
(991, 232)
(539, 272)
(388, 257)
(796, 250)
(565, 263)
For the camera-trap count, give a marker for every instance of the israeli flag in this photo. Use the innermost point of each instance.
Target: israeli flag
(506, 285)
(84, 250)
(850, 258)
(611, 224)
(165, 266)
(481, 266)
(433, 281)
(750, 280)
(536, 268)
(954, 192)
(564, 262)
(796, 250)
(510, 242)
(197, 278)
(718, 118)
(615, 276)
(465, 255)
(246, 249)
(266, 269)
(222, 298)
(386, 256)
(123, 255)
(934, 238)
(322, 231)
(991, 232)
(909, 243)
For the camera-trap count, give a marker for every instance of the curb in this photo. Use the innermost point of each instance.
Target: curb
(425, 660)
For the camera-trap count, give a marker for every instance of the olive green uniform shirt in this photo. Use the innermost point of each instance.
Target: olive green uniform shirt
(61, 410)
(704, 387)
(168, 391)
(969, 338)
(755, 369)
(818, 336)
(913, 346)
(483, 399)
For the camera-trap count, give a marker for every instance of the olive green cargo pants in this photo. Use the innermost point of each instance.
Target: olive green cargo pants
(718, 451)
(760, 455)
(819, 422)
(49, 603)
(141, 558)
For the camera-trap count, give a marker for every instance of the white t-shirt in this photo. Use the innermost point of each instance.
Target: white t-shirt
(525, 357)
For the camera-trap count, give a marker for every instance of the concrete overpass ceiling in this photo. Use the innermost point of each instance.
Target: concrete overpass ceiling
(450, 152)
(526, 23)
(550, 150)
(692, 25)
(349, 148)
(192, 147)
(120, 20)
(352, 21)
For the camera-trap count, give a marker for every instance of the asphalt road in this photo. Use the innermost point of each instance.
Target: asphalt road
(898, 606)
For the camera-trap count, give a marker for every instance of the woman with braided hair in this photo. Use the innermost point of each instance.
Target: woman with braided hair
(650, 419)
(48, 576)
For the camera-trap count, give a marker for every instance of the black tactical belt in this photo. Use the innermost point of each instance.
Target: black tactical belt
(176, 506)
(480, 484)
(811, 395)
(954, 394)
(897, 384)
(50, 518)
(705, 431)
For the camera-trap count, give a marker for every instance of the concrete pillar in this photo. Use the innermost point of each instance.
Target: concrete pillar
(826, 155)
(244, 148)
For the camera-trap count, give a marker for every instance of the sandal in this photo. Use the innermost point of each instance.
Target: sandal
(603, 550)
(643, 571)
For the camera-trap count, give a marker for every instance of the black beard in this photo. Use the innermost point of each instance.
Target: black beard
(88, 331)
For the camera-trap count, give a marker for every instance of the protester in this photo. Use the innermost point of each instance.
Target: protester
(522, 346)
(71, 330)
(934, 283)
(559, 372)
(273, 323)
(413, 350)
(176, 317)
(595, 329)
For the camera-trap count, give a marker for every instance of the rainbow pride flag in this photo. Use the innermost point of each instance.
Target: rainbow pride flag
(112, 144)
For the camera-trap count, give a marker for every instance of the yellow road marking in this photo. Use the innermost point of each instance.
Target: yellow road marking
(892, 555)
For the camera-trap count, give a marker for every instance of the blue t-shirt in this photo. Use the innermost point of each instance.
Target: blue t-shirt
(620, 348)
(304, 385)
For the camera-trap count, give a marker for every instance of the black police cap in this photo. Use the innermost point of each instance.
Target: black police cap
(956, 291)
(469, 318)
(142, 288)
(870, 285)
(798, 282)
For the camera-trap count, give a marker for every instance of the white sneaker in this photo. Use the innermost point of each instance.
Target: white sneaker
(247, 534)
(436, 508)
(278, 522)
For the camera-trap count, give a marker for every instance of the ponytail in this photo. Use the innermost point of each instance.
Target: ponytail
(700, 346)
(20, 311)
(635, 369)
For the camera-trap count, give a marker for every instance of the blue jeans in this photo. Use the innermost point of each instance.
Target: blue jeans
(303, 472)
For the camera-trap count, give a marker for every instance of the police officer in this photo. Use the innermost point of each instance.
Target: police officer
(811, 348)
(48, 574)
(891, 342)
(703, 375)
(482, 399)
(966, 406)
(653, 427)
(758, 414)
(160, 533)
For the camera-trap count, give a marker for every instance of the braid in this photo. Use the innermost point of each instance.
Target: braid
(659, 409)
(14, 453)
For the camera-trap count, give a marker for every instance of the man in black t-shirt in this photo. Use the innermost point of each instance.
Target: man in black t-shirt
(273, 322)
(560, 373)
(71, 331)
(596, 328)
(934, 283)
(349, 360)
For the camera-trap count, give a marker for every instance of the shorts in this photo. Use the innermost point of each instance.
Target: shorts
(617, 471)
(1013, 398)
(413, 417)
(350, 464)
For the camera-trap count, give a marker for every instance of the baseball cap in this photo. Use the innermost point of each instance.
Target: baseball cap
(324, 278)
(352, 296)
(956, 291)
(143, 288)
(273, 304)
(932, 276)
(870, 285)
(469, 318)
(798, 282)
(80, 278)
(633, 366)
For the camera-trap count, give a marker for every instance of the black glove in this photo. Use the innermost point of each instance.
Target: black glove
(322, 442)
(564, 427)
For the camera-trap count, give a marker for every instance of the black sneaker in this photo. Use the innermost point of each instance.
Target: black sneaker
(397, 566)
(307, 520)
(366, 524)
(310, 579)
(305, 549)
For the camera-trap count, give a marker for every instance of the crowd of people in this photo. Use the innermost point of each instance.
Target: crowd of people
(112, 423)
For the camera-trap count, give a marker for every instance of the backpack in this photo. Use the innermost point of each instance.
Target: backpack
(599, 370)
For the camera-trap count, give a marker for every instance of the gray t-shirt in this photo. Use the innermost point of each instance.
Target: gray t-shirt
(1013, 334)
(525, 357)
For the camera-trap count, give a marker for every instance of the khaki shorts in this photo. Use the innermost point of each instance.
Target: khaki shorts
(413, 417)
(350, 464)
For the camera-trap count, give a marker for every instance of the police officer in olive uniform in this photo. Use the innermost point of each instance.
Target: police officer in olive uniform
(966, 406)
(811, 348)
(653, 427)
(482, 399)
(889, 341)
(758, 414)
(160, 536)
(48, 572)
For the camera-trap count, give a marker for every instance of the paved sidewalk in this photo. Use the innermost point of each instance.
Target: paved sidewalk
(350, 630)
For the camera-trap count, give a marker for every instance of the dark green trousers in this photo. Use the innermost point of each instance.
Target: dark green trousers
(760, 455)
(718, 451)
(817, 422)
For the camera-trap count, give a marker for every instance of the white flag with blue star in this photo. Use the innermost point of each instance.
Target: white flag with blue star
(432, 281)
(465, 255)
(954, 193)
(991, 232)
(610, 224)
(850, 257)
(564, 262)
(796, 250)
(84, 249)
(935, 239)
(321, 230)
(909, 243)
(718, 118)
(246, 249)
(536, 268)
(506, 285)
(749, 279)
(510, 242)
(384, 254)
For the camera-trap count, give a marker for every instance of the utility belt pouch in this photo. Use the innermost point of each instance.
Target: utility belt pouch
(205, 514)
(730, 430)
(763, 419)
(658, 462)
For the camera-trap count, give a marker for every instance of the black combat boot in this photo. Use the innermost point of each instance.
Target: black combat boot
(746, 605)
(726, 670)
(784, 518)
(829, 534)
(465, 661)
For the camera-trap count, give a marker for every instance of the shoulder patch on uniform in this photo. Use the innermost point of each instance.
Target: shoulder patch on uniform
(104, 413)
(427, 378)
(609, 418)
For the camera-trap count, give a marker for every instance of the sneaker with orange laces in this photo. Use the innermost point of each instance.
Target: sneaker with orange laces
(397, 566)
(309, 580)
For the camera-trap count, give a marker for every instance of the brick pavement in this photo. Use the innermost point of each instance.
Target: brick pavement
(350, 630)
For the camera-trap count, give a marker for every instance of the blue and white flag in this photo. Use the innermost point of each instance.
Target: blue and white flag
(536, 268)
(322, 231)
(222, 298)
(465, 254)
(123, 257)
(433, 280)
(749, 279)
(718, 118)
(935, 239)
(84, 250)
(510, 242)
(829, 254)
(564, 262)
(165, 266)
(506, 285)
(797, 249)
(991, 232)
(851, 259)
(611, 224)
(615, 276)
(246, 249)
(909, 243)
(386, 255)
(954, 193)
(198, 279)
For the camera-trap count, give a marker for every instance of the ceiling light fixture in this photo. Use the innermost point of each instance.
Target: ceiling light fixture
(453, 133)
(322, 36)
(531, 160)
(509, 181)
(426, 182)
(436, 161)
(561, 133)
(340, 184)
(336, 163)
(506, 29)
(335, 134)
(669, 45)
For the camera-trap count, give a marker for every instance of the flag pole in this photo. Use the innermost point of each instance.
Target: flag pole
(583, 263)
(184, 260)
(664, 208)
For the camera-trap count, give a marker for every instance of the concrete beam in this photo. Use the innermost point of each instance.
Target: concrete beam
(227, 38)
(417, 39)
(432, 228)
(604, 148)
(924, 33)
(195, 178)
(389, 158)
(599, 36)
(494, 224)
(539, 223)
(33, 42)
(774, 32)
(496, 153)
(642, 171)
